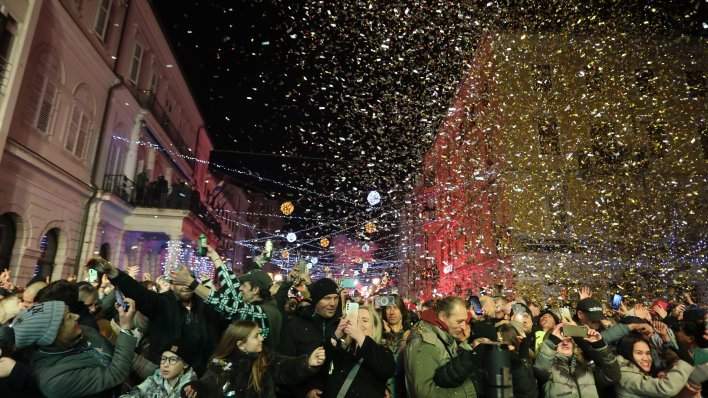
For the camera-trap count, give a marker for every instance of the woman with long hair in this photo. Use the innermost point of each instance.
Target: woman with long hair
(241, 368)
(396, 328)
(638, 379)
(561, 366)
(361, 362)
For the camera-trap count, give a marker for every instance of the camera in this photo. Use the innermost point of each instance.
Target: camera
(384, 301)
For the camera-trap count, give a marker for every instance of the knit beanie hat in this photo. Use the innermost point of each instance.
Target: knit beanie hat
(38, 324)
(321, 288)
(182, 349)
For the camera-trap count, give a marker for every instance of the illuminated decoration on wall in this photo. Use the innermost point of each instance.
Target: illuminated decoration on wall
(285, 254)
(374, 198)
(287, 208)
(291, 237)
(324, 242)
(173, 256)
(370, 227)
(365, 248)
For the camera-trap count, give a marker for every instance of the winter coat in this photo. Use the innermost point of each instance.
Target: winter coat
(230, 377)
(20, 382)
(430, 347)
(301, 335)
(614, 333)
(376, 367)
(637, 384)
(567, 376)
(170, 320)
(156, 386)
(91, 367)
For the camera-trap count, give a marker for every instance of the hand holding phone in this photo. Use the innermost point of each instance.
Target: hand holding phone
(352, 311)
(575, 331)
(476, 305)
(121, 300)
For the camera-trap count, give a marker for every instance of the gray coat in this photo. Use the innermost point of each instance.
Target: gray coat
(636, 384)
(570, 377)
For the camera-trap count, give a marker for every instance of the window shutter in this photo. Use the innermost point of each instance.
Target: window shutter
(46, 105)
(83, 138)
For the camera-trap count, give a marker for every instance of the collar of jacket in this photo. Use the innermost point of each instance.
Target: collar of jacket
(432, 334)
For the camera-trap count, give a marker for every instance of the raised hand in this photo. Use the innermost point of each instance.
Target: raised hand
(339, 332)
(585, 292)
(678, 311)
(180, 275)
(593, 336)
(126, 317)
(660, 311)
(662, 330)
(133, 271)
(642, 312)
(189, 392)
(317, 357)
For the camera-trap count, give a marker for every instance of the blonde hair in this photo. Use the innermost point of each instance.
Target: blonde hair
(377, 324)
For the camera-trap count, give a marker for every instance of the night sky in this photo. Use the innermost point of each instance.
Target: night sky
(332, 99)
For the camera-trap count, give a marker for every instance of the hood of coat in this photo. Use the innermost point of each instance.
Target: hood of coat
(188, 376)
(432, 334)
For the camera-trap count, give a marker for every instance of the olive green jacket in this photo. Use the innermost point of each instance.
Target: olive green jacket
(428, 348)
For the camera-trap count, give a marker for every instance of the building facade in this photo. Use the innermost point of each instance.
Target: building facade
(106, 150)
(588, 166)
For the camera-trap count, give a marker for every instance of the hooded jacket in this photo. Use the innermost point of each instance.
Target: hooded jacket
(429, 347)
(566, 376)
(156, 386)
(636, 384)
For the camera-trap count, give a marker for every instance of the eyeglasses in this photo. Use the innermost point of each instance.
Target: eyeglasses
(171, 360)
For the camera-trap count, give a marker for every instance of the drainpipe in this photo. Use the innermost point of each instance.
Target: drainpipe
(94, 188)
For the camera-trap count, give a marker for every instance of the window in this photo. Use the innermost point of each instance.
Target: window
(542, 78)
(549, 136)
(78, 130)
(136, 63)
(43, 93)
(153, 83)
(8, 31)
(696, 83)
(645, 81)
(8, 233)
(103, 14)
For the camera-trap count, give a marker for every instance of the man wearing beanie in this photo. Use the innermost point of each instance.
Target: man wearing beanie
(71, 360)
(310, 329)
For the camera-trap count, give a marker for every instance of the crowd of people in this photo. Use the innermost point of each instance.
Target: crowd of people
(244, 336)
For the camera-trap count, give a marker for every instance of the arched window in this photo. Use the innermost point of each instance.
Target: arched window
(78, 129)
(43, 92)
(8, 232)
(48, 246)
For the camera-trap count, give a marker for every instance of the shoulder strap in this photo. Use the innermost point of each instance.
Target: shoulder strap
(350, 378)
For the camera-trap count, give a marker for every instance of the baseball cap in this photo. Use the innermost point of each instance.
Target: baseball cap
(592, 308)
(257, 278)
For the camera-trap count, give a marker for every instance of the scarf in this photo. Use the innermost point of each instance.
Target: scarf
(432, 318)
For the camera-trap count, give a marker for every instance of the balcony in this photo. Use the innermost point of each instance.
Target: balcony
(147, 100)
(5, 69)
(156, 194)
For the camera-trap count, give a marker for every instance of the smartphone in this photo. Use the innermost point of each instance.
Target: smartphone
(476, 305)
(348, 283)
(268, 249)
(352, 311)
(120, 300)
(575, 331)
(616, 301)
(700, 356)
(92, 275)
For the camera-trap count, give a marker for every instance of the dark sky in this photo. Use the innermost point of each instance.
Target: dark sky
(332, 99)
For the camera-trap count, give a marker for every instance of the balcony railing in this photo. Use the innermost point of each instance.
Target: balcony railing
(157, 194)
(5, 69)
(147, 100)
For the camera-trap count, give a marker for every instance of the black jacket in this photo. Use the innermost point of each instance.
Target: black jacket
(377, 366)
(20, 382)
(232, 376)
(301, 335)
(170, 321)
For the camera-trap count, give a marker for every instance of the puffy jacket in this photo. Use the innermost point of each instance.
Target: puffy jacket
(428, 348)
(92, 367)
(155, 386)
(567, 376)
(637, 384)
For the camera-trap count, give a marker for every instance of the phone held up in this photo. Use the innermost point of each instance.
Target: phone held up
(352, 311)
(384, 301)
(121, 300)
(575, 331)
(616, 301)
(476, 305)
